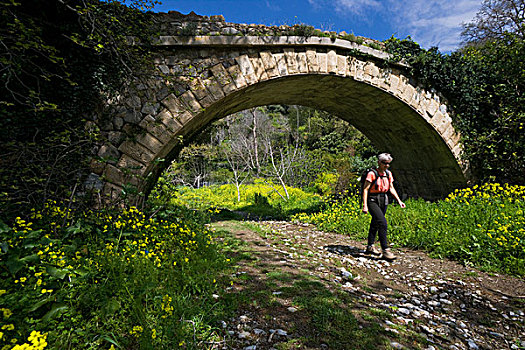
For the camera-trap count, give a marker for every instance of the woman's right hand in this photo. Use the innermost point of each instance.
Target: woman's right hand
(365, 209)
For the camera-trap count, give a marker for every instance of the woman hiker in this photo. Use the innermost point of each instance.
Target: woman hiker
(375, 201)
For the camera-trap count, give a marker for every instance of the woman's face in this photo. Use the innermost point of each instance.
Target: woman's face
(383, 165)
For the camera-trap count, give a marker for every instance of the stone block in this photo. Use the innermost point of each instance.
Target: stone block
(111, 192)
(384, 79)
(163, 69)
(197, 88)
(191, 103)
(173, 104)
(323, 62)
(432, 107)
(223, 78)
(166, 118)
(394, 83)
(237, 77)
(113, 175)
(401, 86)
(351, 66)
(116, 137)
(438, 120)
(132, 116)
(118, 123)
(133, 102)
(331, 62)
(447, 133)
(341, 65)
(150, 142)
(206, 101)
(359, 71)
(93, 182)
(311, 59)
(156, 128)
(258, 67)
(136, 151)
(457, 151)
(149, 108)
(171, 60)
(184, 118)
(109, 153)
(246, 68)
(97, 166)
(129, 164)
(269, 64)
(291, 61)
(282, 67)
(302, 63)
(214, 88)
(219, 72)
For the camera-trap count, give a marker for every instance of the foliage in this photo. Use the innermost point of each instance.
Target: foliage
(59, 61)
(355, 39)
(302, 30)
(482, 225)
(123, 279)
(485, 87)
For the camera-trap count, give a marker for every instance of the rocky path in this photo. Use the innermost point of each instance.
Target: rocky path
(420, 302)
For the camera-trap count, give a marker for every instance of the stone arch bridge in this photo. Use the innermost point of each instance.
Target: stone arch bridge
(202, 78)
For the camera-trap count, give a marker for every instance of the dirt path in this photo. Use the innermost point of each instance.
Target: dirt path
(299, 288)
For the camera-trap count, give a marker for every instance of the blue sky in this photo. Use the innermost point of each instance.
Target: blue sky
(428, 22)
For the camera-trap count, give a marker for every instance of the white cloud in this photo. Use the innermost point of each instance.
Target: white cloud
(432, 22)
(429, 22)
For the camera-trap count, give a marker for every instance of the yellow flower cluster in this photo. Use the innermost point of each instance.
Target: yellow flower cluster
(503, 205)
(136, 331)
(225, 196)
(152, 239)
(166, 306)
(37, 341)
(130, 236)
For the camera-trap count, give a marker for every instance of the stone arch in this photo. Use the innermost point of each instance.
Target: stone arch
(228, 74)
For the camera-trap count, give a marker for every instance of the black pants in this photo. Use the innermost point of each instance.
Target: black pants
(377, 205)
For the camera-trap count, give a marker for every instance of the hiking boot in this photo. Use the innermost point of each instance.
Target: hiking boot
(388, 255)
(371, 250)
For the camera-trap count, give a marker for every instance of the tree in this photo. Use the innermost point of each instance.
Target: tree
(59, 62)
(234, 152)
(494, 20)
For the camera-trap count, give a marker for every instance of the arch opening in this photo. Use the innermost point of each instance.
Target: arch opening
(424, 163)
